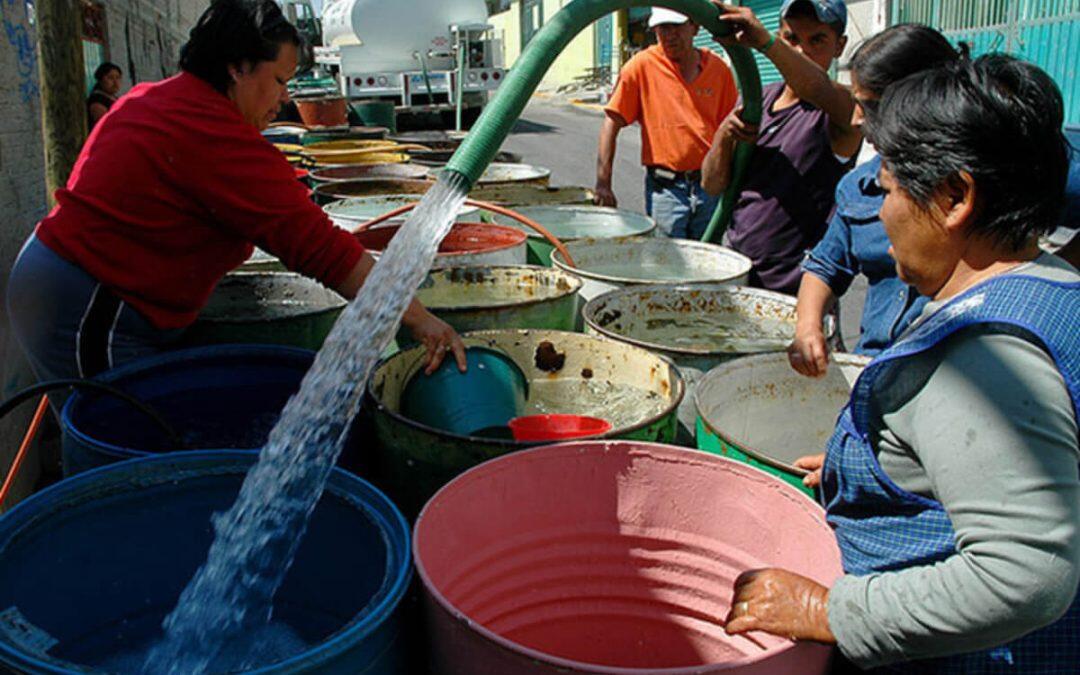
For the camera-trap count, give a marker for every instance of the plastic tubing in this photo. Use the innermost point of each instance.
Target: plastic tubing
(101, 388)
(489, 132)
(20, 456)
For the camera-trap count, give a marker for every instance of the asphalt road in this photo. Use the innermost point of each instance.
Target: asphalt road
(563, 138)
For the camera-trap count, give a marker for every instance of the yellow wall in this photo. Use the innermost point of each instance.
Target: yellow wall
(574, 61)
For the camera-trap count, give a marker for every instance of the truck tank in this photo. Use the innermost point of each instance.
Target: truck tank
(391, 32)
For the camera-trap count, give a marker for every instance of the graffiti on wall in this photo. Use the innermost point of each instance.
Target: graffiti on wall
(15, 29)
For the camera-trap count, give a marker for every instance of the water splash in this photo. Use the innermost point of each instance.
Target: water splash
(232, 593)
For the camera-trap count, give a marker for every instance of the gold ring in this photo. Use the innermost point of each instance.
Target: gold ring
(448, 348)
(742, 608)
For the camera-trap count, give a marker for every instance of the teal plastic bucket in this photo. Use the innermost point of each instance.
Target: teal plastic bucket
(480, 401)
(91, 566)
(375, 114)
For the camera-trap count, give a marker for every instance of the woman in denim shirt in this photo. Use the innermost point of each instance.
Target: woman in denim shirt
(855, 242)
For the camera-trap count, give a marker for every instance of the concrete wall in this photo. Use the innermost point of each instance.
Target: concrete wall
(574, 61)
(865, 18)
(145, 36)
(22, 196)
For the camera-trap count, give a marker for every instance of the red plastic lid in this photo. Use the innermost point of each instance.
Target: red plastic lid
(557, 427)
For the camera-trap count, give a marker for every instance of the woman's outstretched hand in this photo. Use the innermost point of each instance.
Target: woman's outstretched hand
(782, 603)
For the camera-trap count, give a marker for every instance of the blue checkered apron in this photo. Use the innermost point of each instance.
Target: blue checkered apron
(881, 527)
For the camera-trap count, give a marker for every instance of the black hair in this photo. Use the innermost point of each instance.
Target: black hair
(233, 33)
(899, 51)
(104, 69)
(804, 9)
(998, 119)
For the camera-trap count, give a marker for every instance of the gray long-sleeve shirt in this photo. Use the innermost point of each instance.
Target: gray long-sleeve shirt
(984, 424)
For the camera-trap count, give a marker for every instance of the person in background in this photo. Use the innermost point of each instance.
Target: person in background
(107, 80)
(170, 193)
(855, 242)
(805, 145)
(678, 94)
(1070, 219)
(952, 479)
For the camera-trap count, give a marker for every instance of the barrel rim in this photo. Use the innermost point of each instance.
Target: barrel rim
(588, 313)
(330, 208)
(744, 263)
(328, 190)
(594, 446)
(241, 273)
(510, 444)
(529, 173)
(407, 171)
(838, 359)
(228, 352)
(575, 282)
(380, 509)
(531, 211)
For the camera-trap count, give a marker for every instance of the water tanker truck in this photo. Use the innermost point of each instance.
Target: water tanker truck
(437, 56)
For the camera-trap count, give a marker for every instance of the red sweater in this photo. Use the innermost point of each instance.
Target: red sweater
(170, 192)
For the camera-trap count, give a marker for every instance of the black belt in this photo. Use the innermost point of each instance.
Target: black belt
(660, 173)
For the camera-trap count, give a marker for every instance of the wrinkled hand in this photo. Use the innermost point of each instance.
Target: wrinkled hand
(735, 128)
(438, 338)
(746, 29)
(808, 353)
(782, 603)
(813, 464)
(603, 195)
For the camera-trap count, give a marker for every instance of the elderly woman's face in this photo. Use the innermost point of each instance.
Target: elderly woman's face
(926, 252)
(259, 91)
(110, 83)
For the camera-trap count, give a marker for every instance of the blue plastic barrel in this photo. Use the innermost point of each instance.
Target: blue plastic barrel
(90, 567)
(226, 396)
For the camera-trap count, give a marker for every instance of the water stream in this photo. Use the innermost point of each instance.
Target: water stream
(232, 593)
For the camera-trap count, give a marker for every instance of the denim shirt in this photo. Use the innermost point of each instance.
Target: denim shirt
(856, 243)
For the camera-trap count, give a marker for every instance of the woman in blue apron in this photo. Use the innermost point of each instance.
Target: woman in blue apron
(952, 480)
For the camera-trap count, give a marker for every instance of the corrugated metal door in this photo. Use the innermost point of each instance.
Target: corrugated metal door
(769, 13)
(1044, 32)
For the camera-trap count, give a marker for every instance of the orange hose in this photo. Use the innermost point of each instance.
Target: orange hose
(20, 456)
(503, 211)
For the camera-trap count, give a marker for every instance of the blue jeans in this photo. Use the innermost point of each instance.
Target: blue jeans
(681, 208)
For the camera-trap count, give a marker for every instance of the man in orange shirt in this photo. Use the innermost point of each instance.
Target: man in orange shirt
(680, 95)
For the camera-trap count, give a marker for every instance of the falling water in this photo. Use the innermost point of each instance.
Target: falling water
(232, 593)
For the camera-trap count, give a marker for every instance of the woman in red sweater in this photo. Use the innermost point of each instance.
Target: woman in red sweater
(172, 190)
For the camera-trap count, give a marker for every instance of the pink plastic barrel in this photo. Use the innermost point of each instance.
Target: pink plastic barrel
(557, 427)
(612, 557)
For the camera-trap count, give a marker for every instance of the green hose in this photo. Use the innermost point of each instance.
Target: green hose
(489, 132)
(721, 217)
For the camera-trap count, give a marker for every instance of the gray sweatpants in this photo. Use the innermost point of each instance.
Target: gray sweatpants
(68, 324)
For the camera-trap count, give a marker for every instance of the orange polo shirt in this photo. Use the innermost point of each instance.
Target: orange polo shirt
(678, 119)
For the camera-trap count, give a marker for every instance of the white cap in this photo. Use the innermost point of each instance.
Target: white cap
(661, 15)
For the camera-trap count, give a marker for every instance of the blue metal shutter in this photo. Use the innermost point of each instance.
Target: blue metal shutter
(769, 13)
(1043, 32)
